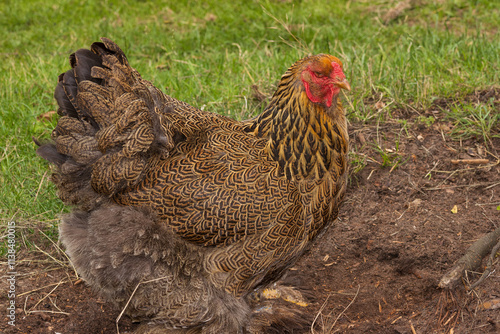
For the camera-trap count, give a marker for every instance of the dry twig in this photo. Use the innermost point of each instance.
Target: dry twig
(470, 161)
(319, 312)
(343, 311)
(412, 328)
(471, 260)
(130, 298)
(41, 300)
(62, 252)
(487, 270)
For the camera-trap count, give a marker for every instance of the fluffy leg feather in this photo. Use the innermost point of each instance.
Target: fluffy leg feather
(120, 250)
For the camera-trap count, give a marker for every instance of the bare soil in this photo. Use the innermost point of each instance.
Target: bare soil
(375, 271)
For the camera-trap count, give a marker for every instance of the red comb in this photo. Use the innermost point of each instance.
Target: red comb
(337, 71)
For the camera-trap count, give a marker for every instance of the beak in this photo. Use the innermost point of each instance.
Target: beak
(343, 84)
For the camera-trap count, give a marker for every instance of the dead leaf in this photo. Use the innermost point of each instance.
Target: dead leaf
(444, 127)
(470, 151)
(379, 105)
(46, 116)
(491, 304)
(415, 204)
(361, 138)
(480, 150)
(454, 209)
(210, 17)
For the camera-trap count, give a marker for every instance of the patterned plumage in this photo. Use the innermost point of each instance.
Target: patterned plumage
(198, 209)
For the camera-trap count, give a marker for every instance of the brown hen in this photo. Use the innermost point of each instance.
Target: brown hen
(186, 214)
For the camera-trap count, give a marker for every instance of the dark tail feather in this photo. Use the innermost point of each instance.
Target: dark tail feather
(82, 61)
(109, 130)
(49, 153)
(107, 46)
(66, 108)
(71, 178)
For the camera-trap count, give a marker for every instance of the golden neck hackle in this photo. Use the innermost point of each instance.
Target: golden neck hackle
(304, 137)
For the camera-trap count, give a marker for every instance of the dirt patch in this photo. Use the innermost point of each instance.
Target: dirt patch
(50, 299)
(375, 271)
(397, 235)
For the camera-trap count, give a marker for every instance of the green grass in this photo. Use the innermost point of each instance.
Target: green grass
(475, 120)
(210, 54)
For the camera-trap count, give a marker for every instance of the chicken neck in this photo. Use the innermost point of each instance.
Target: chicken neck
(307, 139)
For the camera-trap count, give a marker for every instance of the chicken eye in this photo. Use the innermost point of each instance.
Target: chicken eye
(319, 75)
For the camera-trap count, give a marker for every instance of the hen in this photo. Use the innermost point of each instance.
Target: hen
(180, 215)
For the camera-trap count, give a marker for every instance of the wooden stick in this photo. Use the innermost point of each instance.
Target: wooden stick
(487, 271)
(471, 260)
(470, 161)
(412, 328)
